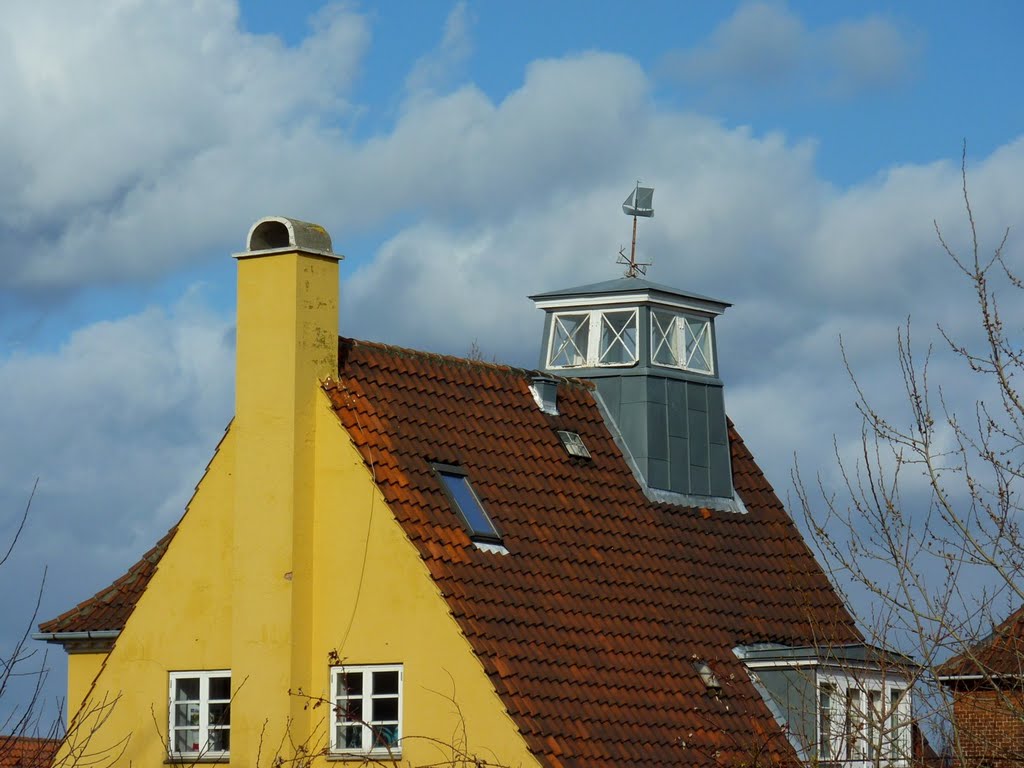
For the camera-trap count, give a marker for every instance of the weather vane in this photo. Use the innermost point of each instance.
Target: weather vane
(639, 203)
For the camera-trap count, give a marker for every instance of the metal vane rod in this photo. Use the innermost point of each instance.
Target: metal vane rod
(639, 203)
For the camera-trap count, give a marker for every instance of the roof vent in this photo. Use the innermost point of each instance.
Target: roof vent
(545, 392)
(277, 233)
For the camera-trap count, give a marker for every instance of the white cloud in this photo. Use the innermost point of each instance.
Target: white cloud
(761, 43)
(869, 53)
(117, 424)
(765, 50)
(433, 71)
(118, 115)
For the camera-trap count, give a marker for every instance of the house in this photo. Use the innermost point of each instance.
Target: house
(987, 686)
(401, 556)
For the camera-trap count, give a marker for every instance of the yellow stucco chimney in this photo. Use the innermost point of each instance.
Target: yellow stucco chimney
(287, 343)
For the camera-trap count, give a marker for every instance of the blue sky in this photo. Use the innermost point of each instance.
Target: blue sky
(463, 156)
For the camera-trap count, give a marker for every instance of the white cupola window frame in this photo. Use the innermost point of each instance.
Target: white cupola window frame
(596, 338)
(682, 341)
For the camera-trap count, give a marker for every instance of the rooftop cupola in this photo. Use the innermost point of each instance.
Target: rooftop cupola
(651, 351)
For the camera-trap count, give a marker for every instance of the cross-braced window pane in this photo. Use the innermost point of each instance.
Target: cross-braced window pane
(664, 339)
(569, 341)
(618, 338)
(678, 341)
(698, 345)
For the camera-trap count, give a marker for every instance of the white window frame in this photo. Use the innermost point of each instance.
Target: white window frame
(367, 719)
(592, 356)
(682, 327)
(858, 725)
(203, 726)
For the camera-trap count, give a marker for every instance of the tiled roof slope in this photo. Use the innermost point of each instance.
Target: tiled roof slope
(1001, 654)
(588, 625)
(110, 608)
(27, 752)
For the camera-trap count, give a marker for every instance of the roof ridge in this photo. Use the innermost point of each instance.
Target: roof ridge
(345, 344)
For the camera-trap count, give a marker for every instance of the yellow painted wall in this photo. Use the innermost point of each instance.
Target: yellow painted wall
(82, 670)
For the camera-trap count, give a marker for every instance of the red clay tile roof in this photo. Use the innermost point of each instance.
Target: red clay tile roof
(27, 752)
(110, 608)
(588, 625)
(1001, 654)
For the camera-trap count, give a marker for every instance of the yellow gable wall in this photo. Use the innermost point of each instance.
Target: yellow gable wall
(184, 621)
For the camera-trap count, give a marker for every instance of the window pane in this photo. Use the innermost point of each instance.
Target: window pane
(351, 710)
(386, 682)
(220, 714)
(825, 723)
(220, 740)
(664, 339)
(478, 522)
(186, 741)
(351, 737)
(220, 688)
(854, 724)
(618, 338)
(385, 709)
(385, 736)
(874, 724)
(186, 714)
(698, 345)
(350, 683)
(186, 689)
(569, 340)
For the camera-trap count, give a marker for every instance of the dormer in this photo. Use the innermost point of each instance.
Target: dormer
(651, 351)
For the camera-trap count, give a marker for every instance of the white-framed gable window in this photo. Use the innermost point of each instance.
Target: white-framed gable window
(595, 339)
(863, 722)
(199, 714)
(681, 341)
(367, 703)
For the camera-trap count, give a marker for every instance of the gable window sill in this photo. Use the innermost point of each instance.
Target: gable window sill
(186, 760)
(364, 757)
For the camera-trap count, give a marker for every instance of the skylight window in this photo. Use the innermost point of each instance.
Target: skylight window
(573, 444)
(466, 503)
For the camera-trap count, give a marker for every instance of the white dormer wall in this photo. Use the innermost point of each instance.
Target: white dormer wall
(838, 709)
(867, 721)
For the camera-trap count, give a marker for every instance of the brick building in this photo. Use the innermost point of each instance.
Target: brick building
(987, 682)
